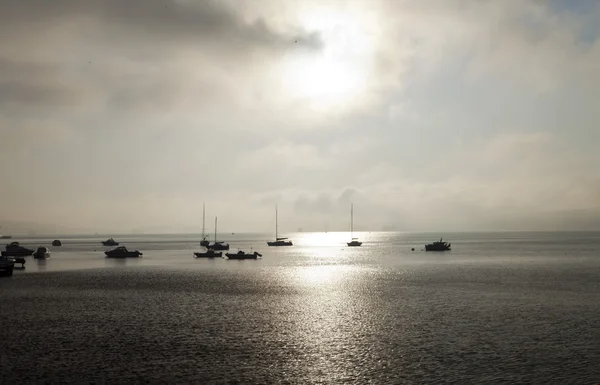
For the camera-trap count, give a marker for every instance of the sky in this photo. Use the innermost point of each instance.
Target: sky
(458, 115)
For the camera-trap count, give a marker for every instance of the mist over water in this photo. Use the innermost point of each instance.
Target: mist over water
(500, 307)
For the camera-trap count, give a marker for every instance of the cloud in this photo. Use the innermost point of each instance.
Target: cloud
(429, 115)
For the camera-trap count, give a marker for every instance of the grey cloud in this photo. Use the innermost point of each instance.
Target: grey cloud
(159, 21)
(121, 53)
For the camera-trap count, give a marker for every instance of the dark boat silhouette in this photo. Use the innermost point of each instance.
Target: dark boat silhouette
(243, 255)
(438, 246)
(7, 266)
(56, 242)
(122, 252)
(217, 245)
(14, 249)
(279, 241)
(110, 242)
(41, 253)
(210, 253)
(353, 241)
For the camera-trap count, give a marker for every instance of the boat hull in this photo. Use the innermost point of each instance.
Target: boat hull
(437, 248)
(218, 246)
(17, 253)
(280, 243)
(208, 255)
(354, 244)
(236, 256)
(129, 254)
(105, 243)
(254, 255)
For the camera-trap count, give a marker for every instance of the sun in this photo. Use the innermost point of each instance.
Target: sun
(323, 79)
(336, 75)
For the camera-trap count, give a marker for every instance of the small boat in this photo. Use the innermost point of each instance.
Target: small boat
(110, 242)
(122, 252)
(353, 241)
(14, 249)
(6, 266)
(210, 253)
(438, 246)
(217, 245)
(56, 242)
(242, 255)
(278, 241)
(41, 253)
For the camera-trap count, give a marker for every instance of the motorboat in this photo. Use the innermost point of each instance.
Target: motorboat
(210, 253)
(110, 242)
(354, 242)
(56, 242)
(438, 246)
(14, 249)
(279, 241)
(7, 266)
(41, 253)
(243, 255)
(122, 252)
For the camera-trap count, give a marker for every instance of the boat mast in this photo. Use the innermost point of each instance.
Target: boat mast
(276, 235)
(215, 229)
(203, 221)
(351, 221)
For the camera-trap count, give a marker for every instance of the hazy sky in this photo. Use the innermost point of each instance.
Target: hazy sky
(428, 115)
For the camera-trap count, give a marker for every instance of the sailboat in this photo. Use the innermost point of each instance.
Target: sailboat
(218, 245)
(278, 241)
(353, 241)
(204, 242)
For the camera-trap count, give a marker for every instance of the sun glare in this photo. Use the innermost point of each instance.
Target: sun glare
(336, 75)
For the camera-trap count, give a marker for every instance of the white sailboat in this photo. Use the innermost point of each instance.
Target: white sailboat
(279, 241)
(353, 241)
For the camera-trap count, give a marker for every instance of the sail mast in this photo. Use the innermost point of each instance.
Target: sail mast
(276, 224)
(203, 221)
(351, 221)
(215, 229)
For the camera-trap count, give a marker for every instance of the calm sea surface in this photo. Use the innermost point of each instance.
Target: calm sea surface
(498, 308)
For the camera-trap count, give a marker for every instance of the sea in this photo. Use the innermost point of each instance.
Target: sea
(501, 307)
